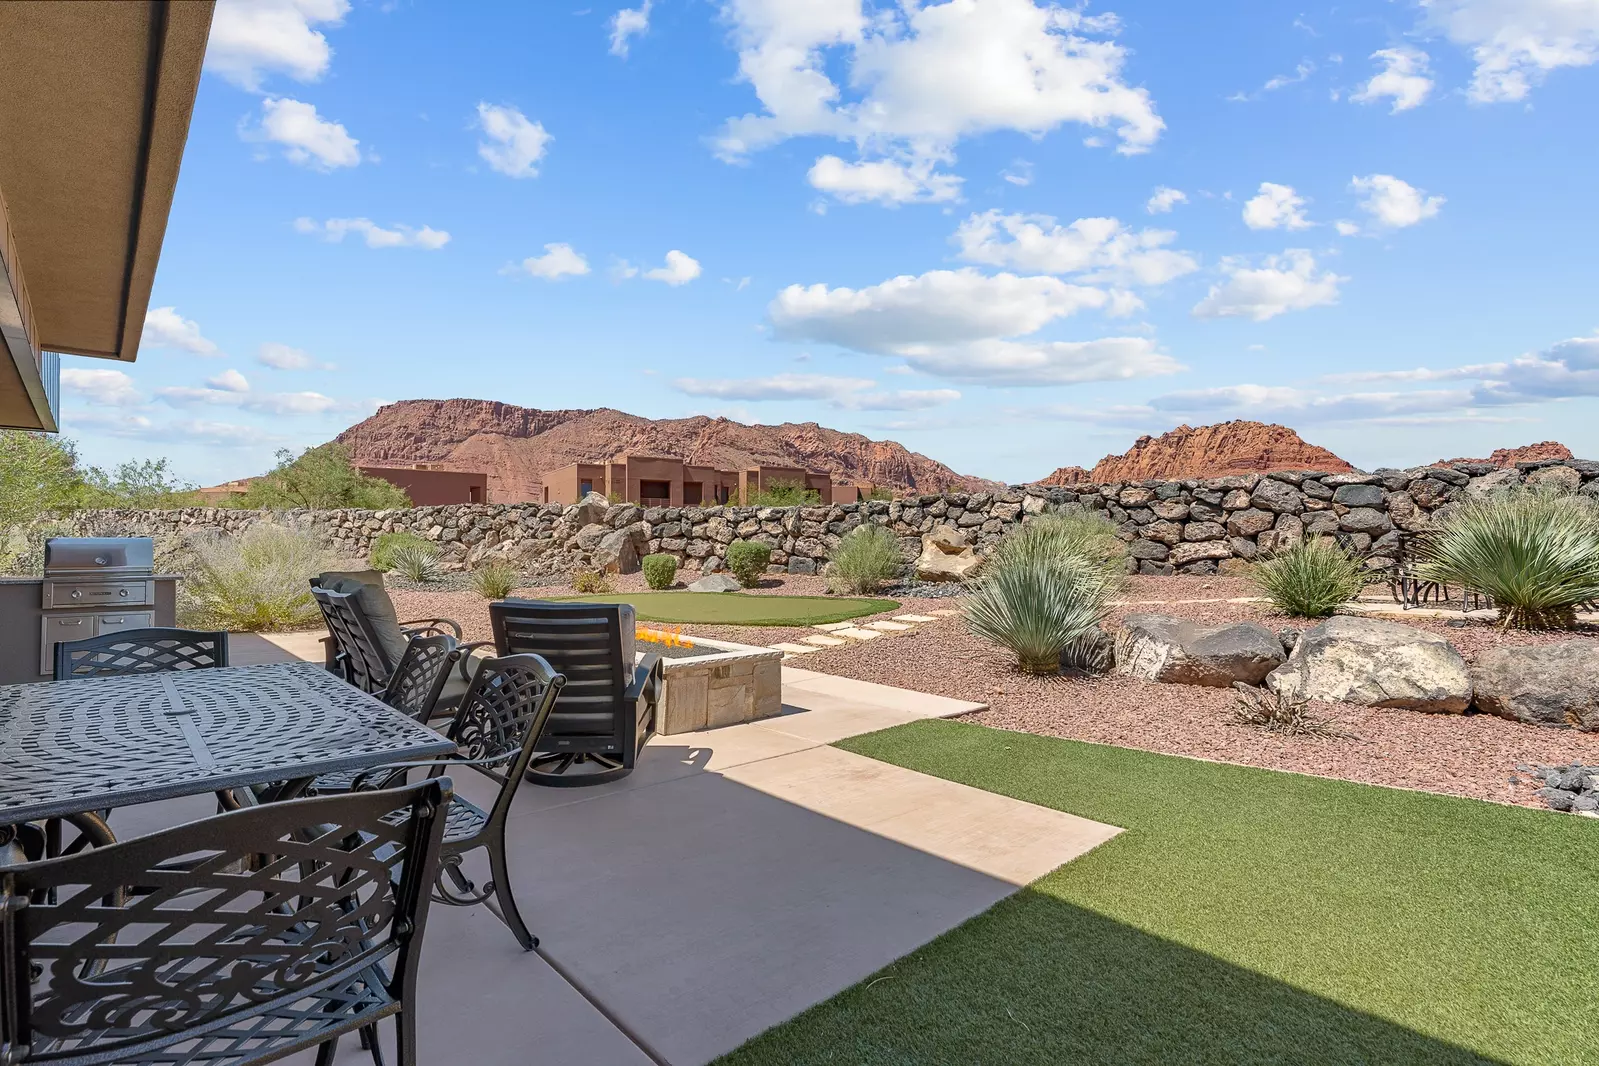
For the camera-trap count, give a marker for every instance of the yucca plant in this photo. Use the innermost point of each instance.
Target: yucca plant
(494, 582)
(1073, 531)
(1310, 579)
(416, 562)
(1039, 606)
(259, 580)
(1534, 551)
(864, 560)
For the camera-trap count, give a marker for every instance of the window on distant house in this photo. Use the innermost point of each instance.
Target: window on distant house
(655, 490)
(693, 493)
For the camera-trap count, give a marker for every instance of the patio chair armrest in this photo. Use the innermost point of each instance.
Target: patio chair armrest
(363, 782)
(441, 624)
(646, 676)
(464, 653)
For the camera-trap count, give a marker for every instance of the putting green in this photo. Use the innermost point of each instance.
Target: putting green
(739, 609)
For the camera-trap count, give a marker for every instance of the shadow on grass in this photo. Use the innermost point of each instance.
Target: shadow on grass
(1040, 981)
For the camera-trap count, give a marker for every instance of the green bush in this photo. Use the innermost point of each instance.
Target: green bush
(257, 580)
(864, 560)
(416, 562)
(748, 559)
(1310, 579)
(1039, 606)
(659, 570)
(384, 546)
(1073, 531)
(320, 478)
(783, 494)
(494, 582)
(592, 582)
(1534, 551)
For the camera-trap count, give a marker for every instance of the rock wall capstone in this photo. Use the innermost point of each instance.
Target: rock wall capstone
(1194, 526)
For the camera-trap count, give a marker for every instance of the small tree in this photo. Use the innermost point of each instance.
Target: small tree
(39, 476)
(147, 485)
(783, 494)
(321, 478)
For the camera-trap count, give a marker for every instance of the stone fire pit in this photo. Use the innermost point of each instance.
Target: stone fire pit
(717, 683)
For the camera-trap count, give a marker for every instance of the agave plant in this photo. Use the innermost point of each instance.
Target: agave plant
(1039, 606)
(1310, 579)
(1534, 551)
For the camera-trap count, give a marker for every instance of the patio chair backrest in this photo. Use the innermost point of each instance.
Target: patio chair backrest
(140, 651)
(224, 927)
(366, 662)
(585, 642)
(415, 685)
(503, 713)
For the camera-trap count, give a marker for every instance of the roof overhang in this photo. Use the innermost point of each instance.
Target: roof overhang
(95, 101)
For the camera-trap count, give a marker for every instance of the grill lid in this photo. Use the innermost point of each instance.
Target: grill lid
(88, 555)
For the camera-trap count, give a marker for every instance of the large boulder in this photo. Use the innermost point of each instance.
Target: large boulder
(1153, 647)
(715, 583)
(947, 555)
(1375, 664)
(619, 551)
(590, 510)
(1548, 684)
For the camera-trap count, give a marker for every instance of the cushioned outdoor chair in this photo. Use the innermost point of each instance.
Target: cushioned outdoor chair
(140, 651)
(496, 728)
(239, 939)
(607, 710)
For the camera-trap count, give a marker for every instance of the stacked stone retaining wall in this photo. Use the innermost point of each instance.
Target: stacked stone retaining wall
(1194, 526)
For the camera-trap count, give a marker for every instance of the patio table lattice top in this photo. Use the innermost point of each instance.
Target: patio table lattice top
(73, 746)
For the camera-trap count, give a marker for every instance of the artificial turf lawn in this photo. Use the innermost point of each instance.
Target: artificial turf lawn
(737, 609)
(1245, 916)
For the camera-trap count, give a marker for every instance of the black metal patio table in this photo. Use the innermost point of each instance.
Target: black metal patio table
(70, 747)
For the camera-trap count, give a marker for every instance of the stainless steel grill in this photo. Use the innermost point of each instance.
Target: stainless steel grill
(95, 585)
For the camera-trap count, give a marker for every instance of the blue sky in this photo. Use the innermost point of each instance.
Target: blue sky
(1008, 234)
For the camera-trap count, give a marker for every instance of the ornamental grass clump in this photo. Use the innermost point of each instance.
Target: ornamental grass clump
(494, 582)
(748, 559)
(1310, 579)
(259, 580)
(660, 570)
(1073, 530)
(416, 562)
(1536, 552)
(384, 545)
(865, 559)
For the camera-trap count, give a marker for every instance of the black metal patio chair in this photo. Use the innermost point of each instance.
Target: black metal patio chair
(140, 651)
(496, 727)
(238, 939)
(366, 644)
(607, 711)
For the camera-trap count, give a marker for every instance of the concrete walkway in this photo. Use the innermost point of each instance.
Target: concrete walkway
(737, 877)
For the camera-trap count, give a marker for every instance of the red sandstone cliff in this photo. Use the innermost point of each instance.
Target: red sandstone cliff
(1238, 447)
(1527, 453)
(517, 445)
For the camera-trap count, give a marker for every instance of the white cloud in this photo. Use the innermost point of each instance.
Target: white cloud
(273, 403)
(307, 138)
(1281, 403)
(1421, 373)
(1561, 371)
(105, 388)
(251, 38)
(515, 144)
(921, 77)
(200, 432)
(229, 380)
(680, 269)
(851, 394)
(1346, 228)
(999, 362)
(1100, 249)
(1393, 203)
(282, 357)
(1164, 199)
(1405, 79)
(1276, 207)
(1019, 172)
(1516, 43)
(884, 181)
(401, 236)
(627, 23)
(1287, 282)
(165, 328)
(558, 261)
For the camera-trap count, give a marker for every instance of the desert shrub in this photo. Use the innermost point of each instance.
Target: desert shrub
(1310, 579)
(864, 560)
(257, 580)
(748, 559)
(783, 494)
(493, 582)
(1278, 712)
(1073, 532)
(416, 562)
(321, 478)
(384, 546)
(1534, 551)
(1040, 605)
(659, 570)
(591, 581)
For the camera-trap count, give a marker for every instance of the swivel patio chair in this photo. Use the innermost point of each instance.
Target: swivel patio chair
(160, 952)
(496, 728)
(140, 651)
(607, 711)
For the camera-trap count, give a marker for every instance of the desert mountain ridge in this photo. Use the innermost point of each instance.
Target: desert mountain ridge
(1527, 453)
(516, 446)
(1237, 447)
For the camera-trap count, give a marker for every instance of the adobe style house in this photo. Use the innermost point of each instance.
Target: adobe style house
(666, 481)
(429, 486)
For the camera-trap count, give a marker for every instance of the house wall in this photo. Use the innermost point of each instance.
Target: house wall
(431, 488)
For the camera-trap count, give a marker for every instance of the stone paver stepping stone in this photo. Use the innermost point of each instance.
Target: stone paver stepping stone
(944, 613)
(824, 640)
(858, 634)
(795, 649)
(915, 618)
(829, 627)
(885, 626)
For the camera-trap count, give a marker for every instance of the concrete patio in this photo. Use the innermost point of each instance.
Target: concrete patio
(737, 877)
